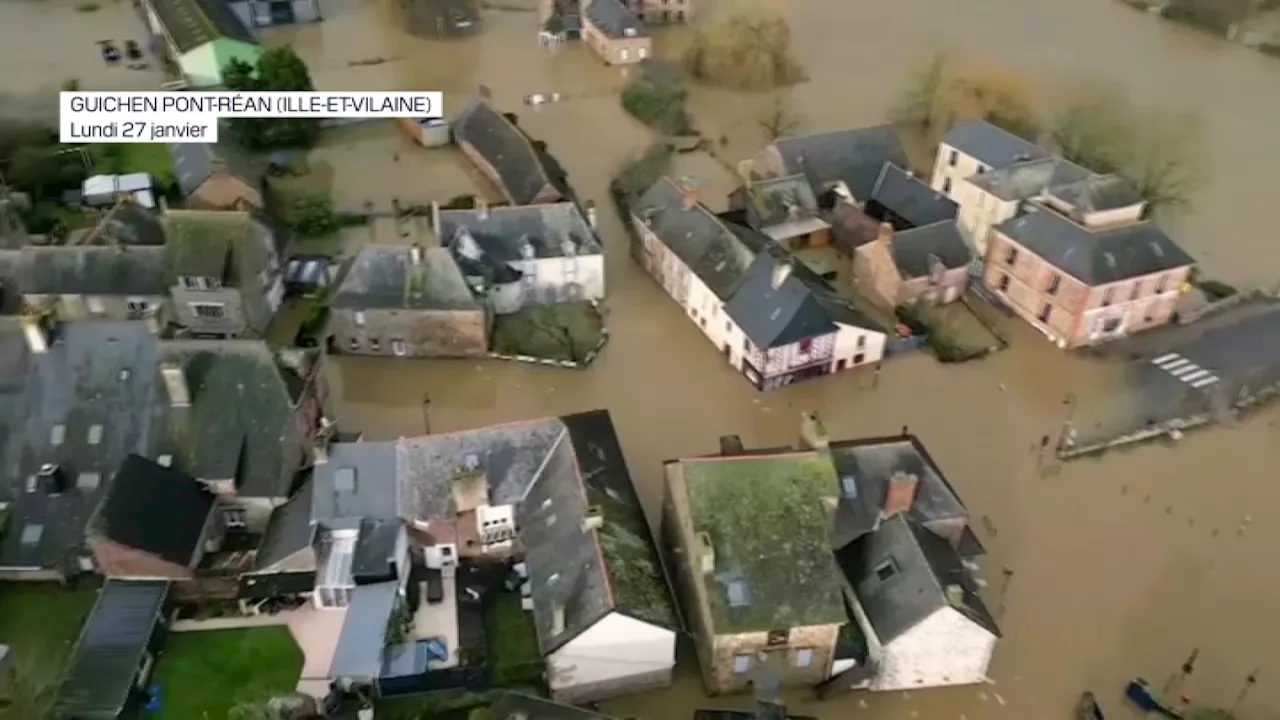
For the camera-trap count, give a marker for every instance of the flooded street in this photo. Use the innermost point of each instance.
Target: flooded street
(1121, 566)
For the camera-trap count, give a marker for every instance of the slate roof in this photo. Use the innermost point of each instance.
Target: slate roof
(785, 202)
(362, 639)
(81, 270)
(108, 655)
(869, 464)
(615, 20)
(908, 198)
(374, 557)
(503, 233)
(193, 163)
(201, 242)
(553, 469)
(1028, 179)
(852, 156)
(913, 250)
(240, 420)
(1099, 193)
(385, 277)
(991, 145)
(923, 565)
(1096, 257)
(289, 530)
(154, 509)
(504, 147)
(774, 317)
(193, 23)
(766, 519)
(696, 236)
(97, 374)
(358, 480)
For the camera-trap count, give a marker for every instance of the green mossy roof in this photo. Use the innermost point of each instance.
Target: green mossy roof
(635, 573)
(769, 525)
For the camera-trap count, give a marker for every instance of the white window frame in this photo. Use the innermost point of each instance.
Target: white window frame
(399, 347)
(359, 318)
(222, 309)
(235, 518)
(802, 657)
(741, 664)
(95, 305)
(137, 304)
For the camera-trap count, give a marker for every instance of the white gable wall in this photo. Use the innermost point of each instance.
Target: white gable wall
(945, 648)
(847, 348)
(616, 648)
(943, 170)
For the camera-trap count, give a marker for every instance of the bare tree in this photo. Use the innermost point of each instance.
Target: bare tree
(948, 88)
(780, 120)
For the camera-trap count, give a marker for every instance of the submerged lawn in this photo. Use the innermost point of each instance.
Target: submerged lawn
(41, 624)
(206, 674)
(511, 642)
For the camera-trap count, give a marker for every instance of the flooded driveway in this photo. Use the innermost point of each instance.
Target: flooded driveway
(1120, 566)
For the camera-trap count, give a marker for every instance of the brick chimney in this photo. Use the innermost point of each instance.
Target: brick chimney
(900, 495)
(688, 196)
(470, 485)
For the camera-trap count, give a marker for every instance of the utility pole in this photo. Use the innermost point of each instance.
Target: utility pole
(426, 417)
(1007, 573)
(1177, 679)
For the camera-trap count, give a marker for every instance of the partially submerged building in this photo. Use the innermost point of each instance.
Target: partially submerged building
(200, 37)
(503, 154)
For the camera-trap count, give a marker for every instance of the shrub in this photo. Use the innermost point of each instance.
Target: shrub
(1215, 290)
(658, 102)
(746, 51)
(314, 216)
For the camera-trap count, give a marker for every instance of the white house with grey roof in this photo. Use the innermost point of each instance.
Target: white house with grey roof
(775, 321)
(525, 255)
(597, 592)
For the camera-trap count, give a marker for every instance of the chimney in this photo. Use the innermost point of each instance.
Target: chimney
(706, 554)
(592, 219)
(37, 335)
(435, 219)
(900, 495)
(470, 485)
(482, 208)
(885, 235)
(568, 249)
(52, 479)
(557, 619)
(175, 384)
(593, 519)
(415, 254)
(955, 595)
(688, 196)
(813, 434)
(781, 271)
(320, 448)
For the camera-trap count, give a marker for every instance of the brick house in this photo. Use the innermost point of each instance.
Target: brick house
(208, 181)
(407, 302)
(841, 165)
(225, 271)
(503, 154)
(154, 523)
(1094, 274)
(927, 264)
(614, 32)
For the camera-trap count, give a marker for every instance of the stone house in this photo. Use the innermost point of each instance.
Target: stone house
(407, 302)
(525, 255)
(155, 523)
(225, 273)
(1083, 271)
(973, 148)
(503, 154)
(785, 209)
(96, 282)
(240, 418)
(865, 581)
(614, 32)
(775, 321)
(903, 201)
(927, 264)
(759, 585)
(840, 166)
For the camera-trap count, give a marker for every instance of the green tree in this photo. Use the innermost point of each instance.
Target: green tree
(278, 70)
(1163, 155)
(313, 216)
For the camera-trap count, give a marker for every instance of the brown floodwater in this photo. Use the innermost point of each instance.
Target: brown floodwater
(1121, 566)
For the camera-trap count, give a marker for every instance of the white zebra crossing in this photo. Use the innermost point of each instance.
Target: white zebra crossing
(1185, 370)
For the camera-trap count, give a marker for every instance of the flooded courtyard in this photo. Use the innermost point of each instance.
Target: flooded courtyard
(1119, 566)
